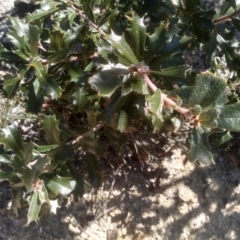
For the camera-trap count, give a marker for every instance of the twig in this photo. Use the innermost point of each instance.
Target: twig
(226, 18)
(168, 101)
(91, 24)
(89, 132)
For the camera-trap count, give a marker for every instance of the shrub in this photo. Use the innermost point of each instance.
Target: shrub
(92, 72)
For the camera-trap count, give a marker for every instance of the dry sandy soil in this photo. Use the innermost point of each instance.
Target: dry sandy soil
(158, 198)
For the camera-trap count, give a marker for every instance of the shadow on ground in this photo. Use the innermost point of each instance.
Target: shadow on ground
(168, 198)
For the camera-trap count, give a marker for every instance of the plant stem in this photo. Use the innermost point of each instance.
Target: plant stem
(226, 18)
(89, 132)
(167, 101)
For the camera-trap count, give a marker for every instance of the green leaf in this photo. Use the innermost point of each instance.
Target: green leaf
(93, 146)
(224, 140)
(121, 49)
(57, 40)
(4, 158)
(60, 185)
(155, 103)
(46, 81)
(122, 121)
(47, 8)
(28, 176)
(45, 148)
(58, 56)
(136, 36)
(176, 74)
(110, 13)
(135, 84)
(19, 34)
(7, 175)
(79, 99)
(208, 87)
(229, 118)
(34, 34)
(177, 45)
(91, 116)
(199, 148)
(232, 3)
(50, 126)
(156, 42)
(79, 188)
(35, 97)
(106, 82)
(232, 56)
(28, 152)
(34, 208)
(11, 83)
(12, 139)
(93, 169)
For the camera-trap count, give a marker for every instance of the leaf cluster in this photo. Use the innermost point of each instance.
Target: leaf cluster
(92, 70)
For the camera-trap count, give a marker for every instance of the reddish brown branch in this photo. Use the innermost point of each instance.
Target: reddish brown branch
(226, 18)
(167, 101)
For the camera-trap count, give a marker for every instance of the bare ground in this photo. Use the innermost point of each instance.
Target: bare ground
(166, 198)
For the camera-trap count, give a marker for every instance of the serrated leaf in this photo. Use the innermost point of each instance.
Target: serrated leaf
(79, 188)
(46, 81)
(60, 185)
(7, 175)
(57, 40)
(47, 8)
(45, 148)
(122, 121)
(12, 139)
(226, 137)
(94, 146)
(40, 166)
(28, 176)
(11, 83)
(19, 34)
(232, 3)
(58, 56)
(176, 74)
(230, 117)
(156, 42)
(43, 195)
(110, 13)
(136, 36)
(135, 84)
(34, 208)
(155, 103)
(4, 158)
(121, 49)
(35, 98)
(106, 82)
(177, 45)
(232, 57)
(208, 87)
(50, 126)
(93, 169)
(34, 34)
(79, 99)
(91, 116)
(199, 148)
(61, 153)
